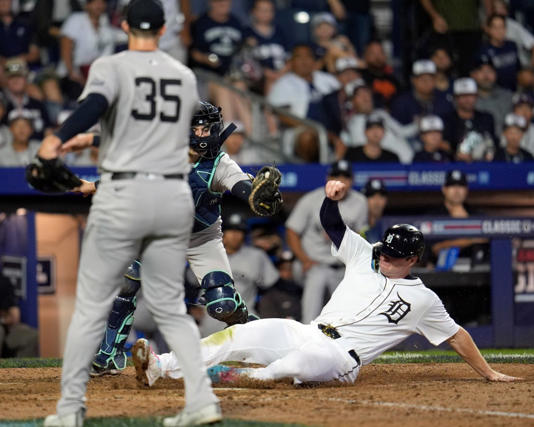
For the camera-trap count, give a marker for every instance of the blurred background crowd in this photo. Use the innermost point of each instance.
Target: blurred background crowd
(337, 82)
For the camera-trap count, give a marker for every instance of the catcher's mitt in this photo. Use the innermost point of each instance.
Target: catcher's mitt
(51, 176)
(265, 199)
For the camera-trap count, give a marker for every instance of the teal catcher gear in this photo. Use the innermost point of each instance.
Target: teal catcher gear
(222, 300)
(111, 357)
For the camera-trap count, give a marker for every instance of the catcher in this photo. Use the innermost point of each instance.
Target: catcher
(212, 173)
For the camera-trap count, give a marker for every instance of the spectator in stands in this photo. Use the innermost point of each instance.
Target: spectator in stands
(465, 302)
(377, 199)
(302, 91)
(517, 33)
(264, 235)
(177, 37)
(456, 24)
(455, 190)
(491, 98)
(356, 20)
(423, 99)
(442, 58)
(503, 53)
(16, 339)
(5, 135)
(338, 103)
(372, 150)
(54, 101)
(239, 147)
(16, 37)
(511, 151)
(307, 240)
(19, 149)
(217, 36)
(465, 118)
(47, 19)
(362, 105)
(16, 72)
(431, 136)
(523, 105)
(378, 74)
(525, 81)
(267, 41)
(283, 299)
(85, 36)
(328, 44)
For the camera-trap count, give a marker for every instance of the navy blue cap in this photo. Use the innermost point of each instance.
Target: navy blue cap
(455, 177)
(341, 167)
(145, 14)
(235, 222)
(374, 186)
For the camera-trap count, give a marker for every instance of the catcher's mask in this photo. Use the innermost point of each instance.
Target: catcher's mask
(403, 241)
(210, 119)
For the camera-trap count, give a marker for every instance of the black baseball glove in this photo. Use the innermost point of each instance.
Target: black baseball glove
(265, 198)
(51, 176)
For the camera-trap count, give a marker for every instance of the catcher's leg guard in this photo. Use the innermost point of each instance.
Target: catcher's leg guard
(222, 300)
(111, 355)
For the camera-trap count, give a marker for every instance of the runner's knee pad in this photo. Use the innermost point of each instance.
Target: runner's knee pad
(223, 302)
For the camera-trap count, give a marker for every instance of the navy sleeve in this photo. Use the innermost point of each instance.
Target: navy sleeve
(332, 222)
(242, 189)
(96, 140)
(85, 116)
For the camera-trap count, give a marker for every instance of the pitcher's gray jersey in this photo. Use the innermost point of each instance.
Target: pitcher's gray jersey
(304, 220)
(227, 174)
(148, 93)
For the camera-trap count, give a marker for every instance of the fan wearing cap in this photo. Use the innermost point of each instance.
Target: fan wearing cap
(455, 190)
(372, 150)
(377, 198)
(423, 98)
(512, 134)
(307, 240)
(362, 105)
(431, 136)
(327, 43)
(465, 117)
(18, 99)
(523, 106)
(491, 97)
(21, 149)
(503, 53)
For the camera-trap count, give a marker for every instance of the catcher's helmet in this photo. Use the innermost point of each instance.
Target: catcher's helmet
(403, 241)
(207, 115)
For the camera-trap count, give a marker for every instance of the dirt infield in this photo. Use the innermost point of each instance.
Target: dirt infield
(407, 394)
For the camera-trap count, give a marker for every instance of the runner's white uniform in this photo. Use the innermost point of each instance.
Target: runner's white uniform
(371, 313)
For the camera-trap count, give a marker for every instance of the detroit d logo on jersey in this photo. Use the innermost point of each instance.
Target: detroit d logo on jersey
(397, 310)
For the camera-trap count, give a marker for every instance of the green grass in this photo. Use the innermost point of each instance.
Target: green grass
(427, 356)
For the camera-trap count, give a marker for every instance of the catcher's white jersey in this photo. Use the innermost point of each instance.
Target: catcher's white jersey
(373, 313)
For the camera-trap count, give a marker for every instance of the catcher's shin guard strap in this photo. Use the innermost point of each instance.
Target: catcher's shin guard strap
(118, 328)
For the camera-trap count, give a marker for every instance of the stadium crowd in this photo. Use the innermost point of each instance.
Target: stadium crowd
(464, 92)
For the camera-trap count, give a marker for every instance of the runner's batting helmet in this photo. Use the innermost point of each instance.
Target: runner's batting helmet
(403, 241)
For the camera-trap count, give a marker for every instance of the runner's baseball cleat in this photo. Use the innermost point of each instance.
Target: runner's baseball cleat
(146, 362)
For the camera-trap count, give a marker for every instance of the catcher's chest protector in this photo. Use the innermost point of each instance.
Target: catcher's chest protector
(207, 203)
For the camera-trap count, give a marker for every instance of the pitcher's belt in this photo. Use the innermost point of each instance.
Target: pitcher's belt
(331, 332)
(132, 175)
